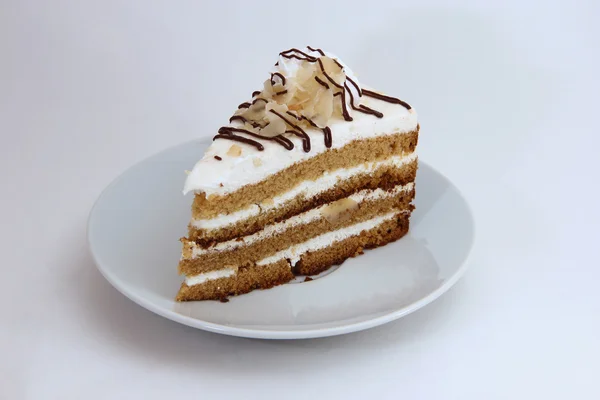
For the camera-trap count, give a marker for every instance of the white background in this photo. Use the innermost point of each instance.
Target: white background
(508, 98)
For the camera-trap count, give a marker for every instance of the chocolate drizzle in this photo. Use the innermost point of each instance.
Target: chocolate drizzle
(282, 140)
(362, 108)
(245, 120)
(329, 78)
(360, 93)
(345, 112)
(389, 99)
(241, 139)
(280, 76)
(218, 158)
(259, 99)
(322, 82)
(366, 110)
(317, 50)
(238, 118)
(326, 130)
(305, 139)
(328, 139)
(286, 54)
(296, 130)
(300, 132)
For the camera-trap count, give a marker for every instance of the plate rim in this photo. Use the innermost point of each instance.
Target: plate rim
(276, 334)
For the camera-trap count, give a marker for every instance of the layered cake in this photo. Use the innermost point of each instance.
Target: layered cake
(312, 170)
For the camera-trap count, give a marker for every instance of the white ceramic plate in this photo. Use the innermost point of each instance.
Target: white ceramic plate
(133, 233)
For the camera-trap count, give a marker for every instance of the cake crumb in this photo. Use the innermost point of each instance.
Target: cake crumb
(234, 151)
(224, 300)
(308, 279)
(257, 162)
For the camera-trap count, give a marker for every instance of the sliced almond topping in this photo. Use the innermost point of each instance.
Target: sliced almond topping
(234, 151)
(339, 209)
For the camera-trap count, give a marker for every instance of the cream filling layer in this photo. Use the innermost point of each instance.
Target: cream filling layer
(209, 276)
(300, 219)
(294, 253)
(307, 189)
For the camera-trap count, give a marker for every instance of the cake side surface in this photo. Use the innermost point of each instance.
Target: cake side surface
(384, 175)
(244, 281)
(279, 271)
(353, 154)
(244, 250)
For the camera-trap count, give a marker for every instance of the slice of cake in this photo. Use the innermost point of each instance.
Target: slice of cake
(314, 169)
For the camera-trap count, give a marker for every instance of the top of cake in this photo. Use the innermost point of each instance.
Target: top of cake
(311, 102)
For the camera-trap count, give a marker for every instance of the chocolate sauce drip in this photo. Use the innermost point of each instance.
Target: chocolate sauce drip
(282, 92)
(366, 110)
(293, 115)
(317, 50)
(330, 79)
(322, 82)
(361, 108)
(297, 57)
(355, 85)
(294, 50)
(245, 120)
(305, 137)
(274, 74)
(328, 139)
(241, 139)
(346, 88)
(285, 142)
(218, 158)
(255, 93)
(326, 130)
(345, 113)
(259, 99)
(244, 105)
(238, 118)
(337, 94)
(389, 99)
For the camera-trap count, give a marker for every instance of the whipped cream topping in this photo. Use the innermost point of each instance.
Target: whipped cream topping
(311, 102)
